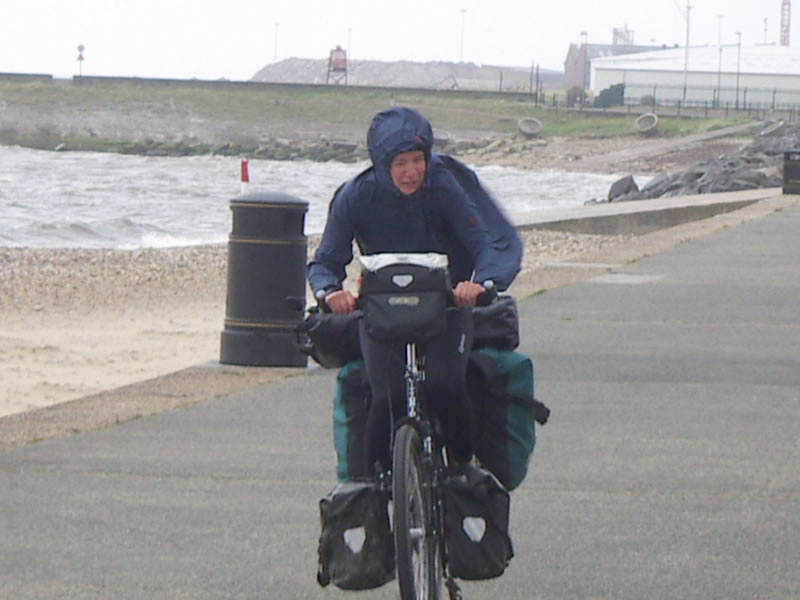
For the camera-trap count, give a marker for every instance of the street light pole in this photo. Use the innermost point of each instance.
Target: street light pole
(585, 65)
(686, 53)
(738, 65)
(275, 53)
(719, 63)
(719, 77)
(463, 12)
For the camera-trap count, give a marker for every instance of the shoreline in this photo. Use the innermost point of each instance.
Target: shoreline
(605, 155)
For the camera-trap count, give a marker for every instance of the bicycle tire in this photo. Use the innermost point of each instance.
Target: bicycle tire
(415, 550)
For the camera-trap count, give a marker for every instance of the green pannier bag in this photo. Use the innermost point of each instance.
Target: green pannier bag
(500, 383)
(351, 401)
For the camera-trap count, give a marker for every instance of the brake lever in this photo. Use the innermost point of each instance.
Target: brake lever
(489, 295)
(321, 304)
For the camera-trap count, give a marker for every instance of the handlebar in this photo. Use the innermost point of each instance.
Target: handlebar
(485, 298)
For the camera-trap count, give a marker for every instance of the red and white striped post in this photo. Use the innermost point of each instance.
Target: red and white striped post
(245, 179)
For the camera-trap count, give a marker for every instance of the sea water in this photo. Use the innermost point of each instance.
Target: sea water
(103, 200)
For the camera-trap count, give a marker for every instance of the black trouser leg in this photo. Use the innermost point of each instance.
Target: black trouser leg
(446, 372)
(445, 369)
(385, 365)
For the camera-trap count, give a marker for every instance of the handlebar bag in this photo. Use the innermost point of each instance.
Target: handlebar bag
(356, 548)
(402, 301)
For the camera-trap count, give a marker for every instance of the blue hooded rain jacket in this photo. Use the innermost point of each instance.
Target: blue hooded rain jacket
(451, 213)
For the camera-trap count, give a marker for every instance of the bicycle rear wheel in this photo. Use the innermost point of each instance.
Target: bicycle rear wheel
(416, 552)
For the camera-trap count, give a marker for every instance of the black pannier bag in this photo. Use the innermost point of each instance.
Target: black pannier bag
(404, 301)
(331, 340)
(356, 548)
(496, 325)
(477, 510)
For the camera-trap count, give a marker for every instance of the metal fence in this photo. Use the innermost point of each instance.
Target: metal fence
(699, 102)
(728, 98)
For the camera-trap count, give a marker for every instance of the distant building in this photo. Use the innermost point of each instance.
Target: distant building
(577, 69)
(763, 76)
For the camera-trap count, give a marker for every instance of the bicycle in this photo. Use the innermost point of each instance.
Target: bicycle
(417, 465)
(402, 308)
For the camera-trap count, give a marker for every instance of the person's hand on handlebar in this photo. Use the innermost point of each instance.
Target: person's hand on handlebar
(341, 302)
(466, 293)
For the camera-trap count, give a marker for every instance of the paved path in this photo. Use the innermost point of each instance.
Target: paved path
(669, 469)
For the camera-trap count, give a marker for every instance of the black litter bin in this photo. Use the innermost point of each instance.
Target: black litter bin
(791, 172)
(266, 264)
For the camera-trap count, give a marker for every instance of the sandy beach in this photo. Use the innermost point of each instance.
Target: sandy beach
(76, 322)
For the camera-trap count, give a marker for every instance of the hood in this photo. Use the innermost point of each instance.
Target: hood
(398, 129)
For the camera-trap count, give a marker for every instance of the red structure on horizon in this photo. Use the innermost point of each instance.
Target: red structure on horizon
(337, 66)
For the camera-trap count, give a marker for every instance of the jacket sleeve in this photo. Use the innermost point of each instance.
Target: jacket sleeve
(501, 260)
(466, 238)
(335, 251)
(504, 255)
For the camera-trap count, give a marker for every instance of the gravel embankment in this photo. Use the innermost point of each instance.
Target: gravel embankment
(53, 280)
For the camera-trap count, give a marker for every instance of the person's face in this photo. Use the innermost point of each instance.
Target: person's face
(408, 170)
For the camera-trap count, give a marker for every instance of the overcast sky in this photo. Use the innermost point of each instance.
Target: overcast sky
(235, 38)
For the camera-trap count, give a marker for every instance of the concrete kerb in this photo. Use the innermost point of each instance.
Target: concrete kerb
(140, 399)
(165, 393)
(640, 216)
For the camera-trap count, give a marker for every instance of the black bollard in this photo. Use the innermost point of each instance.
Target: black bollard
(791, 172)
(267, 251)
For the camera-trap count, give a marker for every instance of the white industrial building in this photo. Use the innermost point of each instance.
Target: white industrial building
(761, 76)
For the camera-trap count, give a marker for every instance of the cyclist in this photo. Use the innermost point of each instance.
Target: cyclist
(414, 200)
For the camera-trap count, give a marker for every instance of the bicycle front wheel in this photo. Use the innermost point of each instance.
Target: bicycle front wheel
(415, 549)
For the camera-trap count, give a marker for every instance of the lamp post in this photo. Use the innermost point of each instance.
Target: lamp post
(719, 63)
(585, 65)
(463, 12)
(275, 52)
(738, 65)
(719, 75)
(686, 53)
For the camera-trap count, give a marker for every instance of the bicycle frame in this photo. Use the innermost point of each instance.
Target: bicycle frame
(413, 377)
